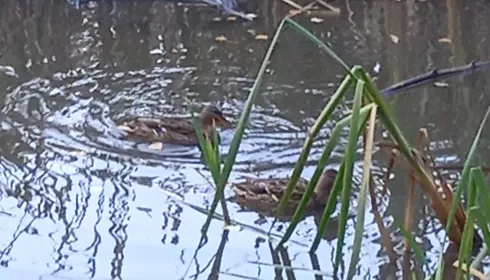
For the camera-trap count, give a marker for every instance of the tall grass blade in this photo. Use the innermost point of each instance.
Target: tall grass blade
(419, 253)
(240, 129)
(212, 159)
(361, 208)
(332, 200)
(464, 180)
(301, 30)
(465, 176)
(207, 151)
(320, 120)
(427, 182)
(349, 158)
(215, 146)
(467, 240)
(336, 133)
(385, 113)
(482, 214)
(305, 151)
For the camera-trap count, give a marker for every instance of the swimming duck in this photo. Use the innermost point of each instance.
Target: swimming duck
(264, 195)
(174, 130)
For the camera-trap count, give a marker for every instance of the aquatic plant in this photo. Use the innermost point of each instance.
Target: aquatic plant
(369, 109)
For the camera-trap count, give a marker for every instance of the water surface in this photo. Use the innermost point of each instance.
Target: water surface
(79, 202)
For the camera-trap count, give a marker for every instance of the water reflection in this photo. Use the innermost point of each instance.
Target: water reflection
(78, 201)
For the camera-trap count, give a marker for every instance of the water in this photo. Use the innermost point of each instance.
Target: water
(78, 202)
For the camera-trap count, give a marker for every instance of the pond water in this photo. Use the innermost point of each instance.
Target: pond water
(79, 202)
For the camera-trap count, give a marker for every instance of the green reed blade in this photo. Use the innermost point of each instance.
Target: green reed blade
(207, 151)
(212, 161)
(385, 114)
(301, 30)
(349, 159)
(215, 146)
(467, 238)
(464, 181)
(336, 133)
(465, 175)
(240, 129)
(361, 206)
(419, 253)
(324, 116)
(305, 151)
(328, 210)
(483, 212)
(332, 200)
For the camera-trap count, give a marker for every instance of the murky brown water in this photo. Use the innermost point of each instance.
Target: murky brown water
(77, 202)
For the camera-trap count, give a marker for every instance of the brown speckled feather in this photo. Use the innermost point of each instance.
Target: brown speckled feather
(174, 130)
(165, 130)
(264, 195)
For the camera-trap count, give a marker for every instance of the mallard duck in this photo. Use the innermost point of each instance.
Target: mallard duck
(264, 195)
(174, 130)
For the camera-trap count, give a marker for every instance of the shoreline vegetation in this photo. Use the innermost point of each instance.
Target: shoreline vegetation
(370, 110)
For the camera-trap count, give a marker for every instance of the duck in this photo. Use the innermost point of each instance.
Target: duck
(263, 195)
(174, 130)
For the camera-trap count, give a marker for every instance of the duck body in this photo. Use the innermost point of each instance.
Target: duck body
(174, 130)
(165, 130)
(264, 195)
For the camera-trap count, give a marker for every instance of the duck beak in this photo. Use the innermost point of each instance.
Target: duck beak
(224, 122)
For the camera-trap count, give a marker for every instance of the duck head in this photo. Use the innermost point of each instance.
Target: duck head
(324, 186)
(212, 114)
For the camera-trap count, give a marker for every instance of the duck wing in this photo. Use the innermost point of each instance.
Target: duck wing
(275, 187)
(168, 130)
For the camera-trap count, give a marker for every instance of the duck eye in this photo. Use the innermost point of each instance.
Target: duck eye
(216, 111)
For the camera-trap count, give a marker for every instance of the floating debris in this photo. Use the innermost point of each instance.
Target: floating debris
(394, 38)
(441, 84)
(156, 146)
(221, 38)
(261, 37)
(445, 40)
(316, 20)
(377, 68)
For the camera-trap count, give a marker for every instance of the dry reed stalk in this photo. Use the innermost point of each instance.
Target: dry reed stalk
(421, 143)
(438, 203)
(473, 271)
(391, 164)
(385, 237)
